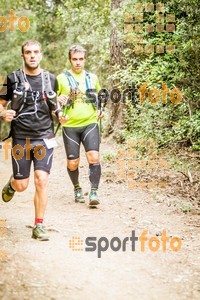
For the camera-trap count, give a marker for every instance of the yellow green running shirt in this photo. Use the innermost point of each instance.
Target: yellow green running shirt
(81, 114)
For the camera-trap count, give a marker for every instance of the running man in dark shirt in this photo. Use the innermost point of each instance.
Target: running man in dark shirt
(32, 92)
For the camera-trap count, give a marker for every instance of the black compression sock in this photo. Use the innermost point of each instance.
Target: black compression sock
(74, 176)
(94, 175)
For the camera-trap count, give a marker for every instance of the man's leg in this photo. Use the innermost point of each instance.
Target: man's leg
(42, 167)
(91, 142)
(19, 185)
(41, 193)
(94, 175)
(73, 171)
(14, 185)
(71, 138)
(21, 170)
(40, 203)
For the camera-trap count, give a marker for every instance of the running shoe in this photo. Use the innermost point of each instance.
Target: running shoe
(78, 194)
(93, 198)
(8, 192)
(39, 233)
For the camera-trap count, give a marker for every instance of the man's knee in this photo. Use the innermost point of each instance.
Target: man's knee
(72, 164)
(94, 160)
(20, 185)
(93, 157)
(41, 180)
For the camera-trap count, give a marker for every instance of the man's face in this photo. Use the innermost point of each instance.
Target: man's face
(77, 61)
(32, 56)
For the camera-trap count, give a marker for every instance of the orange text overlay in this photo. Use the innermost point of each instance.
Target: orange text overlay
(155, 94)
(142, 165)
(136, 29)
(18, 151)
(3, 84)
(3, 234)
(154, 243)
(22, 23)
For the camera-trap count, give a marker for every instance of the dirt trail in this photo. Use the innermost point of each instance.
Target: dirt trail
(30, 269)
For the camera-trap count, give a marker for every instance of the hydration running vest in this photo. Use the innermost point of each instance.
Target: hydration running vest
(90, 91)
(22, 86)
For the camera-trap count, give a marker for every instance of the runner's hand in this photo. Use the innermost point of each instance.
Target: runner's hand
(100, 114)
(8, 115)
(62, 119)
(63, 99)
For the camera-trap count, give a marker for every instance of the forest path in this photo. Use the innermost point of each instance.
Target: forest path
(30, 269)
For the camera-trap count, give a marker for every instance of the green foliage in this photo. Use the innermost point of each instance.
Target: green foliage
(167, 124)
(109, 157)
(171, 123)
(58, 25)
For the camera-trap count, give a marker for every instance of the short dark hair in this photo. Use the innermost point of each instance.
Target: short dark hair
(76, 48)
(31, 42)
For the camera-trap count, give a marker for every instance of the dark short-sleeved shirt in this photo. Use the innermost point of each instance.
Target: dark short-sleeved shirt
(33, 119)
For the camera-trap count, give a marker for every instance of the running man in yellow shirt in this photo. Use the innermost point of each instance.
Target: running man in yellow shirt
(77, 92)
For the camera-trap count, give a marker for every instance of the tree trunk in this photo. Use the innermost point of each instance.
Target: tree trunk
(115, 109)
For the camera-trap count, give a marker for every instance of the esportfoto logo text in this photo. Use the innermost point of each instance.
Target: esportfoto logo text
(102, 244)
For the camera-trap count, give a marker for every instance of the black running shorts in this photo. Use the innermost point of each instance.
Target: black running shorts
(73, 136)
(24, 151)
